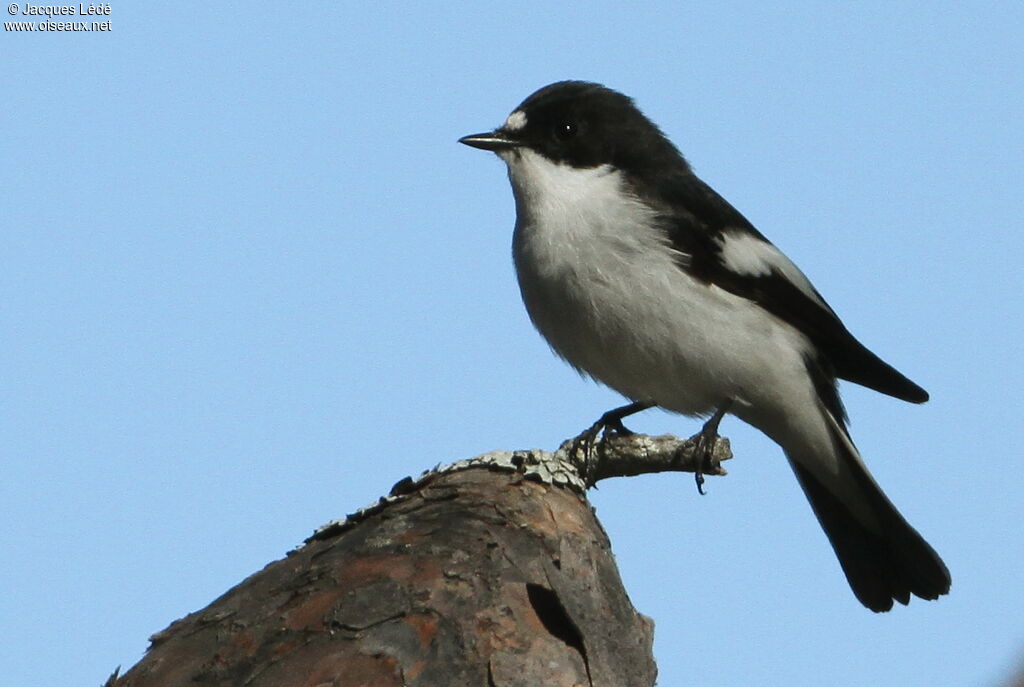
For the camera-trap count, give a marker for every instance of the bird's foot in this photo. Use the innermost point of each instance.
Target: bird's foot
(704, 447)
(609, 424)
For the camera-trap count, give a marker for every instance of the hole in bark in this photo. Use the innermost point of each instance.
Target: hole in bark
(552, 614)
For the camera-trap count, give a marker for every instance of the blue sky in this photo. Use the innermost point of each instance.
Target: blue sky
(250, 281)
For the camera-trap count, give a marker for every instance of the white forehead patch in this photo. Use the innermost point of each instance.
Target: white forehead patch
(515, 121)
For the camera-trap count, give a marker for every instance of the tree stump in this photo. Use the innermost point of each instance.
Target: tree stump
(491, 572)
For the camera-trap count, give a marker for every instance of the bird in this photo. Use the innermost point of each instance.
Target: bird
(643, 278)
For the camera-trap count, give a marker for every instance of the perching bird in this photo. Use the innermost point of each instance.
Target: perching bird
(641, 276)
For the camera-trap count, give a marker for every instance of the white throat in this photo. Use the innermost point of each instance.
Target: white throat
(561, 204)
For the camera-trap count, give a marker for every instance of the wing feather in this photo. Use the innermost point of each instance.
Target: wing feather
(724, 249)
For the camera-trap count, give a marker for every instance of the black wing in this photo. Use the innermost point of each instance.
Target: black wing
(701, 224)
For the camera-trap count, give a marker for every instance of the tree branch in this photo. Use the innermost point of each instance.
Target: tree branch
(640, 454)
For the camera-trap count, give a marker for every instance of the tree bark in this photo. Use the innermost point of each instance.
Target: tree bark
(491, 572)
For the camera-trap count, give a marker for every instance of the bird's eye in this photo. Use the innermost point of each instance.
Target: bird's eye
(565, 130)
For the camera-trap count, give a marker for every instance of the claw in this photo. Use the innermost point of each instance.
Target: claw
(609, 423)
(705, 446)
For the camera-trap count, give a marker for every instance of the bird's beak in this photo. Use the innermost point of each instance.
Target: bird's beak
(494, 141)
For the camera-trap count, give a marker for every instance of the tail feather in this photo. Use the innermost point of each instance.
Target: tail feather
(885, 560)
(881, 565)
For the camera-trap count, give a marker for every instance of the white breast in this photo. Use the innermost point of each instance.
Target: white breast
(604, 287)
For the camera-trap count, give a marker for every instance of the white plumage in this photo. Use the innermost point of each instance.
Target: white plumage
(604, 288)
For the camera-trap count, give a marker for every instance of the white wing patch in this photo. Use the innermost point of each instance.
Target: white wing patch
(515, 121)
(750, 256)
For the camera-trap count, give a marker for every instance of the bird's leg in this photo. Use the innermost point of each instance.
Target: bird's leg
(704, 450)
(609, 422)
(612, 420)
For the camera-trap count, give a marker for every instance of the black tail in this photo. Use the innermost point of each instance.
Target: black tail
(882, 563)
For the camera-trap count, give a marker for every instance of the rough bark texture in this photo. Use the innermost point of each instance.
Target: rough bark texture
(491, 572)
